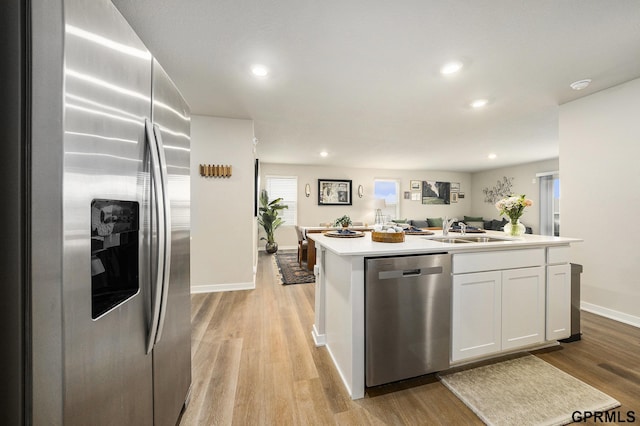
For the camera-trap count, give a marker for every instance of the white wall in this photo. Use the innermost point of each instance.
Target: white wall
(600, 173)
(311, 214)
(223, 230)
(524, 182)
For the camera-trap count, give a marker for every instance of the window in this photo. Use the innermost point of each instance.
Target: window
(388, 190)
(285, 187)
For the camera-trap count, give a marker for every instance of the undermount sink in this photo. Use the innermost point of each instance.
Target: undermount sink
(449, 240)
(482, 239)
(459, 240)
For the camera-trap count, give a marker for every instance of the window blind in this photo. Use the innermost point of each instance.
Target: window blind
(285, 187)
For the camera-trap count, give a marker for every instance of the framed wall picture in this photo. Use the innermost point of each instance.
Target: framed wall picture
(334, 192)
(454, 197)
(434, 192)
(415, 185)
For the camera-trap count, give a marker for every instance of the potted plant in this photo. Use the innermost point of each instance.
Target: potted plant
(269, 220)
(343, 221)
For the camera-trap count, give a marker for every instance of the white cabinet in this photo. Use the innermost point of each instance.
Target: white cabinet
(504, 300)
(523, 307)
(496, 311)
(498, 301)
(558, 301)
(476, 319)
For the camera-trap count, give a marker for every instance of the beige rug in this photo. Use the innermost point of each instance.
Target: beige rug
(525, 391)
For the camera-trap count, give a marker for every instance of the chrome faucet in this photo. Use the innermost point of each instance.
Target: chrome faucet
(446, 225)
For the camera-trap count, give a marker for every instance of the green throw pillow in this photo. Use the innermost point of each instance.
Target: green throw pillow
(434, 222)
(473, 219)
(399, 221)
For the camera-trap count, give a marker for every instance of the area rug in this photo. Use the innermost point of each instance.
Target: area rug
(290, 271)
(525, 391)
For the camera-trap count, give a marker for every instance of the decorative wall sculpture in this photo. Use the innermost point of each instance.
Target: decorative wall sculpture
(215, 170)
(501, 190)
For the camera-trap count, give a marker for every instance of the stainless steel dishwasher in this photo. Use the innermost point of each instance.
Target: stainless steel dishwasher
(407, 316)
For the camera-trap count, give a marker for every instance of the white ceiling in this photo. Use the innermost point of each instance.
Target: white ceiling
(360, 79)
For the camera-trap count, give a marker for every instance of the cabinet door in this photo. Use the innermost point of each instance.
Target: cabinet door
(558, 302)
(523, 307)
(476, 315)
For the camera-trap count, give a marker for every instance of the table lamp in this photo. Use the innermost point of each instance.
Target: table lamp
(378, 205)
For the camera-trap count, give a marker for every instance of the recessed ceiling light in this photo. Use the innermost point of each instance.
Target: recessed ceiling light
(324, 154)
(492, 156)
(259, 70)
(479, 103)
(451, 68)
(580, 84)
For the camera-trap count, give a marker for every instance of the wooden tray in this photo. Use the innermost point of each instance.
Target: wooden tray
(387, 237)
(337, 234)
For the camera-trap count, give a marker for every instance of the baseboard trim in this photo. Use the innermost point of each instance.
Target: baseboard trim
(611, 314)
(318, 339)
(342, 377)
(214, 288)
(281, 248)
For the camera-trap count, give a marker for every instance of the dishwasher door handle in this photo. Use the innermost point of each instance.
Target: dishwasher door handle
(409, 273)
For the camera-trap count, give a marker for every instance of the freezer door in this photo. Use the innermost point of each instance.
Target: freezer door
(105, 290)
(172, 353)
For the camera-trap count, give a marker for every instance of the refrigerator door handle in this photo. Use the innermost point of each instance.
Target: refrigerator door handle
(157, 210)
(167, 230)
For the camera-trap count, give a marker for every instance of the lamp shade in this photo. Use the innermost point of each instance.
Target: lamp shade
(379, 203)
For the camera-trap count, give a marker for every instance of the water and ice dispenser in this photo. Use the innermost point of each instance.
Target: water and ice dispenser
(114, 254)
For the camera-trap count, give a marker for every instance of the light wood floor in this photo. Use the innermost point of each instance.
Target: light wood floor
(254, 363)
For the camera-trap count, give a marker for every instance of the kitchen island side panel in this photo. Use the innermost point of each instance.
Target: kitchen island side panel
(344, 318)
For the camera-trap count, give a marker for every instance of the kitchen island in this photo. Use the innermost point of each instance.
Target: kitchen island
(508, 294)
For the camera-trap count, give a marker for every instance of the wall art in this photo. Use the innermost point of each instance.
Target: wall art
(501, 190)
(436, 192)
(334, 192)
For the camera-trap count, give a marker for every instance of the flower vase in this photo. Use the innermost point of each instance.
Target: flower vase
(514, 228)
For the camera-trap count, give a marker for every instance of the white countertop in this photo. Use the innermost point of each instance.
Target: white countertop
(416, 244)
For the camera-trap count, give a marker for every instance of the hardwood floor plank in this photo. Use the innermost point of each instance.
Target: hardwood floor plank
(357, 416)
(255, 363)
(311, 405)
(220, 391)
(204, 363)
(249, 404)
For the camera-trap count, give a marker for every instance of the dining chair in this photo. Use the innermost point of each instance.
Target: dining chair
(303, 245)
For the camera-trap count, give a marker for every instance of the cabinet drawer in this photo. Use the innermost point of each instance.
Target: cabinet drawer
(558, 254)
(495, 260)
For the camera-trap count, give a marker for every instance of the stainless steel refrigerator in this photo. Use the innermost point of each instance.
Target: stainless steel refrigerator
(95, 182)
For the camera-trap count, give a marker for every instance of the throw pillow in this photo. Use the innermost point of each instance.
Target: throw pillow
(419, 223)
(434, 222)
(498, 225)
(399, 221)
(468, 219)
